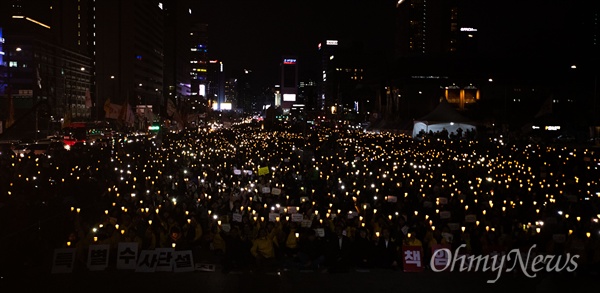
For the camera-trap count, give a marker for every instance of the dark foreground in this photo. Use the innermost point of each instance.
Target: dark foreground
(293, 281)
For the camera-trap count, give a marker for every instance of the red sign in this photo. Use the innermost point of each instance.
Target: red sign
(441, 256)
(412, 257)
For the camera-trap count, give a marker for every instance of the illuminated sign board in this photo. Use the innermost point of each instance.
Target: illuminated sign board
(202, 91)
(331, 42)
(552, 128)
(289, 97)
(213, 61)
(226, 106)
(289, 61)
(468, 29)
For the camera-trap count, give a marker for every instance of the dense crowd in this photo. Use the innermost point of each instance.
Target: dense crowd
(330, 199)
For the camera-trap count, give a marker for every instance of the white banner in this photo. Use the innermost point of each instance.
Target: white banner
(127, 255)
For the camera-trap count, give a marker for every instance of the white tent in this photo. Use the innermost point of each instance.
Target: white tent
(444, 116)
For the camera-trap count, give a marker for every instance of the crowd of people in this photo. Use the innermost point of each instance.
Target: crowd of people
(329, 199)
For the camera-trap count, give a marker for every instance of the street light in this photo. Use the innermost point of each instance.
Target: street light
(18, 49)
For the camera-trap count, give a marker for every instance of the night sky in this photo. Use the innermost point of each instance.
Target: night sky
(253, 34)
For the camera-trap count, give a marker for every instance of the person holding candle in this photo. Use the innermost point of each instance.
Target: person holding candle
(263, 250)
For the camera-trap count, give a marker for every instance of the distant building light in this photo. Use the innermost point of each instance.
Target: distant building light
(490, 80)
(190, 10)
(331, 57)
(160, 5)
(331, 42)
(18, 49)
(573, 66)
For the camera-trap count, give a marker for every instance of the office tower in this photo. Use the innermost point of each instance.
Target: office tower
(178, 19)
(129, 52)
(215, 84)
(199, 59)
(327, 51)
(46, 68)
(289, 81)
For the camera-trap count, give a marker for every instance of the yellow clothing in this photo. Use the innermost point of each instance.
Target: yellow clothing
(264, 247)
(218, 242)
(291, 241)
(413, 242)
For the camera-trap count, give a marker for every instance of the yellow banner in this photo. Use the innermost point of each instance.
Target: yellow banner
(263, 171)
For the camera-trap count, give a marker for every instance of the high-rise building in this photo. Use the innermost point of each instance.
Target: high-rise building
(215, 85)
(46, 60)
(199, 59)
(177, 54)
(231, 92)
(129, 52)
(434, 27)
(289, 81)
(327, 51)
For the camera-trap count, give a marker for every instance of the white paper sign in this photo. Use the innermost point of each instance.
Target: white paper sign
(63, 261)
(98, 257)
(226, 228)
(276, 191)
(266, 189)
(320, 232)
(205, 267)
(164, 259)
(237, 217)
(127, 255)
(297, 217)
(184, 261)
(404, 229)
(147, 262)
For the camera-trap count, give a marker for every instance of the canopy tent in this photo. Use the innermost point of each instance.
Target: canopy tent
(444, 116)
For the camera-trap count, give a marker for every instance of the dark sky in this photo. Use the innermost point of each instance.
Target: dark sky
(254, 34)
